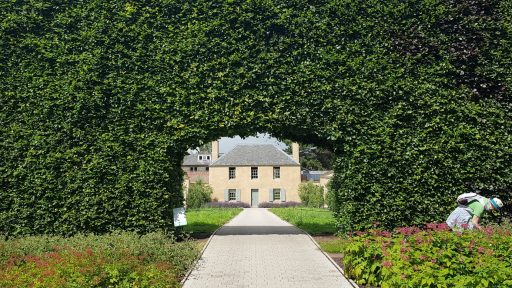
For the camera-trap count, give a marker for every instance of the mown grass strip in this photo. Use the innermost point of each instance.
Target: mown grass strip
(202, 222)
(315, 221)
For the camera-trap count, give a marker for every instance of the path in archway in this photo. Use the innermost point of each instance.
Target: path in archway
(258, 249)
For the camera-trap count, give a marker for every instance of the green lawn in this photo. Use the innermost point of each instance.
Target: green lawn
(203, 222)
(315, 221)
(333, 245)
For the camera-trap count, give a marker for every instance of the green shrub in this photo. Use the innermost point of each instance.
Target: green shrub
(113, 260)
(330, 198)
(199, 194)
(311, 195)
(411, 257)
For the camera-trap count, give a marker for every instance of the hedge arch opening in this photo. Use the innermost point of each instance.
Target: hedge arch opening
(99, 102)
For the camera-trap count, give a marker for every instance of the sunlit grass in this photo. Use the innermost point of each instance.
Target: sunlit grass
(315, 221)
(207, 220)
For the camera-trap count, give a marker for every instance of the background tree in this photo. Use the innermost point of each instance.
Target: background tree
(311, 195)
(312, 157)
(205, 148)
(198, 194)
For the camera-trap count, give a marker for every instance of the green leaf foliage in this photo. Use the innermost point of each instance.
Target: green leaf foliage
(411, 257)
(311, 195)
(99, 101)
(198, 194)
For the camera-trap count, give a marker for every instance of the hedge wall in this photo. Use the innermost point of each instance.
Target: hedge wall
(99, 101)
(438, 123)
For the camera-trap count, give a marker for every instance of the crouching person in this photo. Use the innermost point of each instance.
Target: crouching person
(470, 210)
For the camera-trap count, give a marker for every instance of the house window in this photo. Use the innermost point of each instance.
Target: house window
(191, 168)
(208, 157)
(200, 157)
(277, 172)
(207, 168)
(254, 172)
(232, 172)
(277, 194)
(195, 168)
(232, 195)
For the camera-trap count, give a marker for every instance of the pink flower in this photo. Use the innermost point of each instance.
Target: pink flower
(408, 230)
(438, 226)
(385, 234)
(387, 264)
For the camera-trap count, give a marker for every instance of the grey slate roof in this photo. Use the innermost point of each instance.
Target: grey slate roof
(191, 160)
(255, 155)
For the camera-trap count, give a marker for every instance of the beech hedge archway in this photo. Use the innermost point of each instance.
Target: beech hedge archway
(99, 101)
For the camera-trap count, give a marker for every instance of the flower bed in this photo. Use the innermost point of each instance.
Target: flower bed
(226, 204)
(431, 257)
(116, 260)
(279, 204)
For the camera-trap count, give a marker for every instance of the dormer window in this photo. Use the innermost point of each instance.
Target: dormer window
(202, 158)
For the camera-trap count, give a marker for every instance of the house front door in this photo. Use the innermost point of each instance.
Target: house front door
(254, 197)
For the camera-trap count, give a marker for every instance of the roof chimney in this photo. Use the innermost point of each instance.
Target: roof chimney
(215, 150)
(295, 152)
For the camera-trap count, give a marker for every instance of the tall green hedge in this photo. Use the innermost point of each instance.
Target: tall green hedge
(438, 123)
(99, 101)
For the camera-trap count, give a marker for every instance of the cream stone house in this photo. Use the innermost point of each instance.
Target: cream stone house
(255, 173)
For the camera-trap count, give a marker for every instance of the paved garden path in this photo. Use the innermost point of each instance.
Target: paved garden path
(258, 249)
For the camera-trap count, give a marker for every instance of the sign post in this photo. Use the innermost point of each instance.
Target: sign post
(179, 217)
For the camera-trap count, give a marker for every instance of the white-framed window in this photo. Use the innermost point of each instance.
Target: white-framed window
(202, 158)
(277, 194)
(254, 172)
(277, 172)
(232, 173)
(231, 194)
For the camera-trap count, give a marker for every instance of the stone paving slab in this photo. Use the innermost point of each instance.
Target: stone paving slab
(258, 249)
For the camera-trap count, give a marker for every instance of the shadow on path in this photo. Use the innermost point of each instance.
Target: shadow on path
(258, 230)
